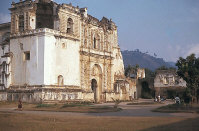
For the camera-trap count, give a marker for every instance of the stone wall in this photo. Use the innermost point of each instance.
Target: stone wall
(57, 95)
(168, 80)
(44, 95)
(3, 96)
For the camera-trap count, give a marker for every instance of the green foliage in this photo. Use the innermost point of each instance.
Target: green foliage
(162, 68)
(187, 96)
(188, 69)
(45, 105)
(149, 74)
(146, 92)
(76, 104)
(165, 68)
(129, 70)
(171, 94)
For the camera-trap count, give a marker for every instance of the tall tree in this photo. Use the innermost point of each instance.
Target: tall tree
(131, 70)
(188, 69)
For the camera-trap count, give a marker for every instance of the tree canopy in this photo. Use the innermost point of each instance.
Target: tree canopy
(188, 69)
(131, 70)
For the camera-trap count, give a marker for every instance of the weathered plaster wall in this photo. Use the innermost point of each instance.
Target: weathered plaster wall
(3, 96)
(118, 65)
(61, 57)
(28, 72)
(168, 79)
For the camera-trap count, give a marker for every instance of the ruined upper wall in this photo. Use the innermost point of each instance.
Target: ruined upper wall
(29, 14)
(44, 15)
(168, 78)
(23, 16)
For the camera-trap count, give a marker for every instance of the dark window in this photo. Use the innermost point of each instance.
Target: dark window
(39, 25)
(27, 55)
(21, 23)
(69, 26)
(93, 85)
(94, 43)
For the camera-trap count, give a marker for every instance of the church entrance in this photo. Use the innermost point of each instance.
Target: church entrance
(96, 83)
(94, 89)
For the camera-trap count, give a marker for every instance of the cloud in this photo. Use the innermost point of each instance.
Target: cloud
(176, 51)
(4, 18)
(193, 49)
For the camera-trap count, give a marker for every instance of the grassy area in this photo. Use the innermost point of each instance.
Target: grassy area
(63, 122)
(74, 108)
(76, 104)
(67, 107)
(144, 103)
(46, 105)
(174, 108)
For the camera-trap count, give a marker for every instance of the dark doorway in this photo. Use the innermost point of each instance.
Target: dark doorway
(94, 88)
(135, 96)
(146, 92)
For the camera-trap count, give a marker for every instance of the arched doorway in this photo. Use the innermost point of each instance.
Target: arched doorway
(96, 83)
(94, 88)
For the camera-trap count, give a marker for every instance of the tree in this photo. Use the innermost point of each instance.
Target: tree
(165, 68)
(187, 96)
(188, 69)
(131, 70)
(149, 74)
(146, 91)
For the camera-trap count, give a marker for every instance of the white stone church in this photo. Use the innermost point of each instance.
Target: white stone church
(58, 52)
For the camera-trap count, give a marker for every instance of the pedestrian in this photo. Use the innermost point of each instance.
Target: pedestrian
(20, 105)
(159, 98)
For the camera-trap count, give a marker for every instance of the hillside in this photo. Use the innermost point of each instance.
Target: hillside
(144, 60)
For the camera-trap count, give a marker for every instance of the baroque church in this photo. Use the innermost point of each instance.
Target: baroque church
(58, 52)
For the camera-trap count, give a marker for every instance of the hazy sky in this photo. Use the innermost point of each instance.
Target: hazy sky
(169, 28)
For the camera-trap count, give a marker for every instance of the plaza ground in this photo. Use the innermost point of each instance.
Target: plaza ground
(132, 117)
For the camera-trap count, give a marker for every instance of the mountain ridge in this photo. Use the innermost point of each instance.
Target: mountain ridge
(144, 60)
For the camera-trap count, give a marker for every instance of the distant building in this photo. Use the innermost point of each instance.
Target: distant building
(167, 80)
(134, 81)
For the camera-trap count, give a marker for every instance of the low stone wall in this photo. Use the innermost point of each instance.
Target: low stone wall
(30, 96)
(61, 96)
(37, 95)
(88, 96)
(3, 96)
(116, 96)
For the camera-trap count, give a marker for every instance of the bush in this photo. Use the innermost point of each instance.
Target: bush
(171, 94)
(146, 92)
(117, 102)
(187, 96)
(45, 105)
(75, 104)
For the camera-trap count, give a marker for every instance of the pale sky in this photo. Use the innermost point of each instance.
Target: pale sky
(169, 28)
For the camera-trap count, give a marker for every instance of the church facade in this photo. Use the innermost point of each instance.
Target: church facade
(58, 52)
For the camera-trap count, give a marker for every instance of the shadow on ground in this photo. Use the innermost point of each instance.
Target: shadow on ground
(191, 124)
